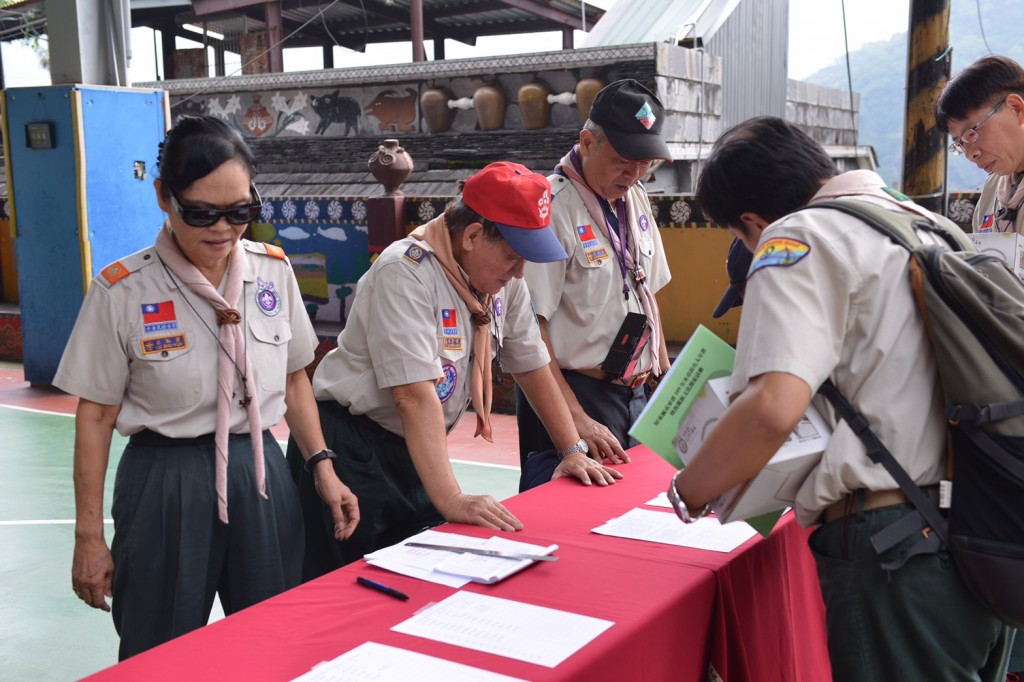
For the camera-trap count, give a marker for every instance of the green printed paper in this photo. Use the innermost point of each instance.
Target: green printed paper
(705, 356)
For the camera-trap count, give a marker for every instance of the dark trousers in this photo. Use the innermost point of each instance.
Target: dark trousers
(613, 405)
(171, 552)
(918, 622)
(375, 464)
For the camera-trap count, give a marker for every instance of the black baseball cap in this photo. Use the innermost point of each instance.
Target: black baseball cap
(631, 116)
(737, 265)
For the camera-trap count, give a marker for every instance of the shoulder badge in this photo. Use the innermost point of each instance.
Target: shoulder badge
(779, 252)
(115, 272)
(274, 251)
(265, 249)
(415, 253)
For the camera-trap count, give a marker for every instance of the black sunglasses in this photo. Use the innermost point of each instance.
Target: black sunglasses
(207, 217)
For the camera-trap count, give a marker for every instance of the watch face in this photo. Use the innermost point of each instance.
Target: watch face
(582, 445)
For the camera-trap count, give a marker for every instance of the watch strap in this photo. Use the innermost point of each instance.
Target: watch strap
(317, 458)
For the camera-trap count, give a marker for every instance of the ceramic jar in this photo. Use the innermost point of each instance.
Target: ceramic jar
(390, 165)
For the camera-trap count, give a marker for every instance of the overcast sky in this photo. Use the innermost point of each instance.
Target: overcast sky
(815, 41)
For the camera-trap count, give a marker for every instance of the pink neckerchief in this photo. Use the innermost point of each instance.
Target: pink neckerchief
(435, 233)
(647, 300)
(232, 347)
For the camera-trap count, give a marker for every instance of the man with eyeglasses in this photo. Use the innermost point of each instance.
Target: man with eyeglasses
(597, 309)
(990, 93)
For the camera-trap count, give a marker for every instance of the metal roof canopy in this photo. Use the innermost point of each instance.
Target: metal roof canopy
(352, 24)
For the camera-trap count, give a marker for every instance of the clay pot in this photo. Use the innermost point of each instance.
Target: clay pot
(489, 103)
(534, 105)
(586, 92)
(434, 107)
(391, 165)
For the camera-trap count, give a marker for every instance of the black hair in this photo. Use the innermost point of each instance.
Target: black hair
(196, 146)
(458, 216)
(764, 165)
(981, 84)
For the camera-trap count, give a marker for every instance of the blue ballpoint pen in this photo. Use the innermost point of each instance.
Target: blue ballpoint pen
(374, 585)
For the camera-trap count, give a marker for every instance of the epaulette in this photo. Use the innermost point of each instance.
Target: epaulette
(265, 249)
(415, 253)
(558, 183)
(119, 269)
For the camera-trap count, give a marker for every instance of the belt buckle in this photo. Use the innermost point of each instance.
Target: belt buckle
(640, 379)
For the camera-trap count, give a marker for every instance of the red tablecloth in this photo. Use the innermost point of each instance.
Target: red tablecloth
(753, 614)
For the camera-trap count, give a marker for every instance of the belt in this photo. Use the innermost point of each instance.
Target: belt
(871, 499)
(634, 381)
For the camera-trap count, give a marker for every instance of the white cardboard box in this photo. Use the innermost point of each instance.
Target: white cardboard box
(1007, 245)
(776, 486)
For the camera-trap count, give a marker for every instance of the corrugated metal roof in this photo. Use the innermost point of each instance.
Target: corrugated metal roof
(660, 20)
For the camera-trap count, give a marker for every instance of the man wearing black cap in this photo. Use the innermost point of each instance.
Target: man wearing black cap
(428, 317)
(596, 309)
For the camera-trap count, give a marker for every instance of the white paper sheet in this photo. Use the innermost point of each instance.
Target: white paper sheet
(660, 501)
(657, 526)
(450, 568)
(525, 632)
(380, 663)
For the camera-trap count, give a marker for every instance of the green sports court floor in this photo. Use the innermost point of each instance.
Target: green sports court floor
(46, 633)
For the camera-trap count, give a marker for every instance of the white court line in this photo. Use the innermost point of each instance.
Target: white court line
(30, 409)
(45, 522)
(487, 464)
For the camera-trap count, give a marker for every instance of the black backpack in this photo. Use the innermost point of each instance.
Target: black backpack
(973, 307)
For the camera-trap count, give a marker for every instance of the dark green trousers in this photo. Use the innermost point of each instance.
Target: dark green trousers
(375, 464)
(172, 555)
(916, 623)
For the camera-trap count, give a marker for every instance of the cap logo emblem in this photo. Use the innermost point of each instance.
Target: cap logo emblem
(646, 116)
(544, 206)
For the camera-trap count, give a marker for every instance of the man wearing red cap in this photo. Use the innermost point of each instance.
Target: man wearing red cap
(603, 293)
(427, 319)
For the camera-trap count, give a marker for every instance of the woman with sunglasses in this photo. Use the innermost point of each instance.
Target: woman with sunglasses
(982, 108)
(193, 348)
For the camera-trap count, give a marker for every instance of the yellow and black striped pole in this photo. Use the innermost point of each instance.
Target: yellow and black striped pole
(928, 69)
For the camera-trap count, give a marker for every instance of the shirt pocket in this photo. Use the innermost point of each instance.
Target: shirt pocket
(270, 351)
(165, 372)
(595, 254)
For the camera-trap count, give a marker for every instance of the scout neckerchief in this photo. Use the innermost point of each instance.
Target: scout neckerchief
(572, 167)
(435, 233)
(1009, 195)
(232, 356)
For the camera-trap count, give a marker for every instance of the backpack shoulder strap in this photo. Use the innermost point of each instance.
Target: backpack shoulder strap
(900, 226)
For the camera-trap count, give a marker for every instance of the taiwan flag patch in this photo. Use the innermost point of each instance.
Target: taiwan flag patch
(448, 322)
(159, 316)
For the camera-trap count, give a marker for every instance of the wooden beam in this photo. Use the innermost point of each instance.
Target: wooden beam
(275, 36)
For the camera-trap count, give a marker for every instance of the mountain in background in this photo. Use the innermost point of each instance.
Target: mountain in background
(879, 74)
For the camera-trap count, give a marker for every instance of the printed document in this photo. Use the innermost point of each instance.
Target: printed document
(657, 526)
(372, 661)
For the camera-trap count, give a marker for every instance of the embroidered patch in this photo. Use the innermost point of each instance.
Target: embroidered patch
(452, 343)
(163, 343)
(415, 254)
(646, 116)
(115, 272)
(544, 206)
(644, 223)
(449, 322)
(445, 385)
(498, 306)
(987, 223)
(158, 317)
(592, 248)
(266, 297)
(779, 252)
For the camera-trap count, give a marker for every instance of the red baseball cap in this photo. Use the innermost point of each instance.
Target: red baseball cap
(518, 201)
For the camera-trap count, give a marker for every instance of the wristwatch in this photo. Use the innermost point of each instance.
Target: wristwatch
(579, 446)
(315, 459)
(680, 507)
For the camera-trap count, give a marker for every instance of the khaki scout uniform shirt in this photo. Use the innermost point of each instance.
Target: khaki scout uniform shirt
(829, 297)
(581, 297)
(986, 206)
(408, 324)
(140, 344)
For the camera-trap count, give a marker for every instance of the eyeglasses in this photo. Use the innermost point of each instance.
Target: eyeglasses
(971, 135)
(195, 216)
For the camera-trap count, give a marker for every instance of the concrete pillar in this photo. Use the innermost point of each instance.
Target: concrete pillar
(89, 41)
